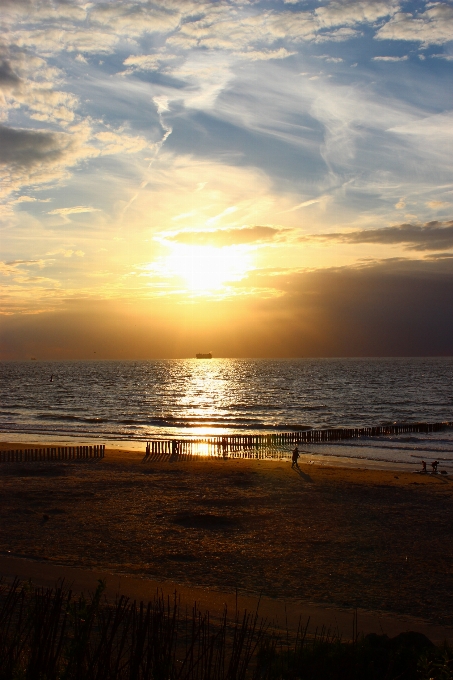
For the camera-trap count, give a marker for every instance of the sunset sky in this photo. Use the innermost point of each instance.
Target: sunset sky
(249, 178)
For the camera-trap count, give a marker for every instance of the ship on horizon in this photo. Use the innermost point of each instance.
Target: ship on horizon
(204, 356)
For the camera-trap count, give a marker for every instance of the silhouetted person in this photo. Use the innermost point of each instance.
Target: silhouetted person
(51, 378)
(434, 465)
(423, 466)
(295, 456)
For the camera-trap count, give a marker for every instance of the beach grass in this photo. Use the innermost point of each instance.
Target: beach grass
(49, 634)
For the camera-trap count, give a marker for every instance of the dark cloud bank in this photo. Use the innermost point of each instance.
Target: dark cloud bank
(388, 308)
(430, 236)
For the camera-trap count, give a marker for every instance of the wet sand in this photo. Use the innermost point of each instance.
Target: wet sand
(327, 537)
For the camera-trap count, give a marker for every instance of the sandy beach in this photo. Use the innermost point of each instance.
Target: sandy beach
(379, 540)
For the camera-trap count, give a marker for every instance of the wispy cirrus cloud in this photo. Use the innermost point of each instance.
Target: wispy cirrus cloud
(76, 209)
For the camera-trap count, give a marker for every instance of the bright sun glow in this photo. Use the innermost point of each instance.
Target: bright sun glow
(206, 268)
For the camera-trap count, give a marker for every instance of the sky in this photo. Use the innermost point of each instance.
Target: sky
(247, 177)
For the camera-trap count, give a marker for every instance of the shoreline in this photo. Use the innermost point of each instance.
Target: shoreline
(335, 458)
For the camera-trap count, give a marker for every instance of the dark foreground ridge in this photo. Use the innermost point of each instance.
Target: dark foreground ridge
(51, 634)
(231, 445)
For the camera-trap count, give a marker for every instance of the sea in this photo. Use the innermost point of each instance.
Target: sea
(126, 403)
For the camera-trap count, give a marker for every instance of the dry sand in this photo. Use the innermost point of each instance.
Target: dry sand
(344, 538)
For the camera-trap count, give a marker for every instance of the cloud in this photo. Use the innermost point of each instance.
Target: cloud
(206, 78)
(405, 58)
(28, 81)
(51, 28)
(351, 13)
(335, 21)
(432, 27)
(329, 59)
(113, 142)
(52, 40)
(338, 35)
(438, 125)
(28, 148)
(134, 18)
(305, 204)
(446, 57)
(74, 210)
(145, 62)
(25, 199)
(265, 55)
(8, 78)
(8, 268)
(436, 205)
(228, 237)
(249, 33)
(216, 27)
(430, 236)
(40, 156)
(68, 252)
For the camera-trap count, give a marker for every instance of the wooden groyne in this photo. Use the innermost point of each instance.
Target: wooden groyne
(273, 445)
(52, 453)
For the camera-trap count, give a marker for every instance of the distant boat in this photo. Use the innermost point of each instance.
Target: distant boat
(204, 356)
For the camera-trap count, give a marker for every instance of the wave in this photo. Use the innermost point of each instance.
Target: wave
(69, 418)
(448, 460)
(175, 421)
(373, 444)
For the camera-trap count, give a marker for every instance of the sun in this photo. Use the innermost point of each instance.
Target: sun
(206, 268)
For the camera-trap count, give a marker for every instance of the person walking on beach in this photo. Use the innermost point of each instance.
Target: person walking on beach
(295, 457)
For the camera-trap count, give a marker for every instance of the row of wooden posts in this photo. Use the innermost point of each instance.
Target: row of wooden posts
(272, 444)
(52, 453)
(257, 445)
